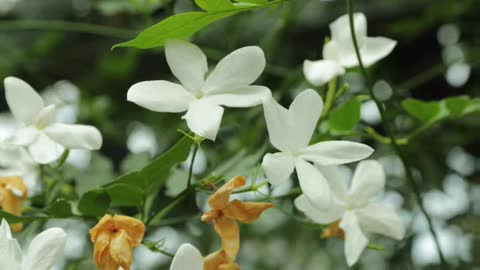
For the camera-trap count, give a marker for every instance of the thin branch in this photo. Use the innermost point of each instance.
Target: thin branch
(63, 26)
(395, 145)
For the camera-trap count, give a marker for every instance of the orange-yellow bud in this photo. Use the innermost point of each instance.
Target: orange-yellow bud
(13, 193)
(114, 238)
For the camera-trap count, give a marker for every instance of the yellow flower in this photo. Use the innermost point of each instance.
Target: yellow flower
(219, 261)
(225, 214)
(333, 230)
(113, 239)
(13, 193)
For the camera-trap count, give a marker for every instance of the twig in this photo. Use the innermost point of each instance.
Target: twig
(390, 134)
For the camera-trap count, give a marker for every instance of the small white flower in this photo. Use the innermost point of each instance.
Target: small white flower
(359, 215)
(290, 131)
(40, 134)
(201, 96)
(15, 161)
(44, 250)
(187, 258)
(339, 52)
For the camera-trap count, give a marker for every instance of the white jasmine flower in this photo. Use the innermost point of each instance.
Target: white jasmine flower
(201, 96)
(44, 139)
(44, 250)
(358, 214)
(15, 161)
(339, 52)
(187, 258)
(290, 131)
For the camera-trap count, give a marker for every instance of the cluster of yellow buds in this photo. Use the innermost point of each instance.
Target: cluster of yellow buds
(114, 237)
(13, 193)
(224, 216)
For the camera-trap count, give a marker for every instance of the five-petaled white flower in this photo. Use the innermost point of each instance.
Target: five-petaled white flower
(187, 258)
(44, 250)
(339, 52)
(44, 139)
(359, 215)
(290, 131)
(201, 96)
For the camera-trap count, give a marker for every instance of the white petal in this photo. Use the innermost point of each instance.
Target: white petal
(376, 218)
(340, 28)
(160, 96)
(321, 72)
(204, 118)
(291, 130)
(45, 250)
(336, 181)
(336, 152)
(75, 136)
(45, 117)
(375, 49)
(25, 136)
(278, 167)
(321, 216)
(355, 240)
(368, 180)
(341, 52)
(44, 150)
(306, 109)
(22, 99)
(187, 62)
(5, 232)
(279, 125)
(10, 252)
(240, 68)
(313, 184)
(187, 258)
(246, 96)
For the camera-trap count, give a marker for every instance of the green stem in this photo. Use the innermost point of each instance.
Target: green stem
(190, 170)
(330, 99)
(395, 145)
(252, 188)
(62, 159)
(155, 219)
(63, 26)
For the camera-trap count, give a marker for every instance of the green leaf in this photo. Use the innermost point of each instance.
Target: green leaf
(156, 173)
(122, 194)
(345, 117)
(424, 111)
(215, 5)
(456, 106)
(12, 219)
(258, 2)
(473, 106)
(180, 26)
(94, 203)
(60, 209)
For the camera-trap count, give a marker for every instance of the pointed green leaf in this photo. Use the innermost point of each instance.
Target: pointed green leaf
(94, 203)
(422, 110)
(12, 219)
(180, 26)
(156, 173)
(60, 209)
(215, 5)
(258, 2)
(122, 194)
(456, 105)
(345, 117)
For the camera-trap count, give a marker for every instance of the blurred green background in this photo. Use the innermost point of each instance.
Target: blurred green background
(62, 47)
